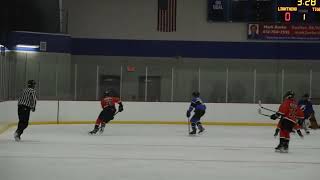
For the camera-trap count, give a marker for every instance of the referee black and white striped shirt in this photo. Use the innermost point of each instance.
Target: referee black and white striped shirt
(28, 98)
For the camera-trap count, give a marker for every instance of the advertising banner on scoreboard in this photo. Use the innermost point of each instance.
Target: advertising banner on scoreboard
(276, 31)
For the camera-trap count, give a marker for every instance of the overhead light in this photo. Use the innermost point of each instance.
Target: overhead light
(27, 46)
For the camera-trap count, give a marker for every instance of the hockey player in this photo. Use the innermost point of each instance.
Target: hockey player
(306, 106)
(290, 114)
(107, 114)
(199, 110)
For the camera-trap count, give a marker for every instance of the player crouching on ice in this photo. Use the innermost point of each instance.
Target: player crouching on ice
(199, 111)
(107, 114)
(290, 114)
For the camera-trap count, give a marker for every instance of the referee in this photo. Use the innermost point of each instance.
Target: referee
(26, 102)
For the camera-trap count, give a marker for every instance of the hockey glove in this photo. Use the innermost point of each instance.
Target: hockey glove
(188, 113)
(299, 133)
(274, 116)
(120, 107)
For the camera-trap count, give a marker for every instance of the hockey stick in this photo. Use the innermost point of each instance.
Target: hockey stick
(265, 107)
(260, 112)
(188, 125)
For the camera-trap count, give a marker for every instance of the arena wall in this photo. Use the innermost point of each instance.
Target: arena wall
(127, 19)
(7, 114)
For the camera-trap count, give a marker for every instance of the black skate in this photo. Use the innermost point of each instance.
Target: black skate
(278, 148)
(285, 146)
(194, 129)
(194, 132)
(201, 130)
(101, 130)
(281, 149)
(16, 137)
(200, 127)
(94, 131)
(284, 150)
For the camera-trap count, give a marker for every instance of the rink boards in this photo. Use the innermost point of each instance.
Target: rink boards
(86, 112)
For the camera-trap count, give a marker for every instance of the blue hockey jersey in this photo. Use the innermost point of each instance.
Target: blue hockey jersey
(197, 104)
(306, 107)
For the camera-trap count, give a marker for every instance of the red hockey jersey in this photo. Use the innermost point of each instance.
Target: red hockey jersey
(109, 102)
(289, 110)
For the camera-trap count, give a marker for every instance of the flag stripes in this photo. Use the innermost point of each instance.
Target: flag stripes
(167, 15)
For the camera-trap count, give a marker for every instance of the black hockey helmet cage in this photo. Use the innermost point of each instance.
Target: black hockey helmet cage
(289, 94)
(195, 94)
(31, 83)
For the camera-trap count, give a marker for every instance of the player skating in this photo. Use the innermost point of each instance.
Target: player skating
(290, 113)
(306, 106)
(107, 114)
(199, 110)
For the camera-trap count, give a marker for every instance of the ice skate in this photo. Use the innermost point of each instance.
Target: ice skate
(95, 130)
(281, 145)
(285, 147)
(277, 149)
(201, 130)
(101, 130)
(284, 150)
(194, 129)
(200, 127)
(193, 132)
(16, 137)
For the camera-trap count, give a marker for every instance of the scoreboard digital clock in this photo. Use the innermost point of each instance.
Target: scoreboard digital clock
(298, 11)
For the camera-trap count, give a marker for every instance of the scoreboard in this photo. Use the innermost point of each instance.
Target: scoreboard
(299, 11)
(286, 11)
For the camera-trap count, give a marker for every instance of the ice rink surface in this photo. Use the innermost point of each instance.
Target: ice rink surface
(156, 152)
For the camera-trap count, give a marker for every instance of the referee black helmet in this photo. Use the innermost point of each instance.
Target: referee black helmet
(32, 83)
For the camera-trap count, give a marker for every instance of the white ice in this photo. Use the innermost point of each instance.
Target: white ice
(155, 152)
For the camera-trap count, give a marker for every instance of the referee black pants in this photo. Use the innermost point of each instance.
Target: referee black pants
(24, 114)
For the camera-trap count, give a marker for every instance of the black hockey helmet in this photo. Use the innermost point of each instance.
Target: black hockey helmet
(196, 94)
(108, 92)
(306, 95)
(289, 94)
(31, 83)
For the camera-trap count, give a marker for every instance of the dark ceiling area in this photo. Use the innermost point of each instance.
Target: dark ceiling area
(28, 15)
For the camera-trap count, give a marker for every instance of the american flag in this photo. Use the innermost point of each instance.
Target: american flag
(167, 15)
